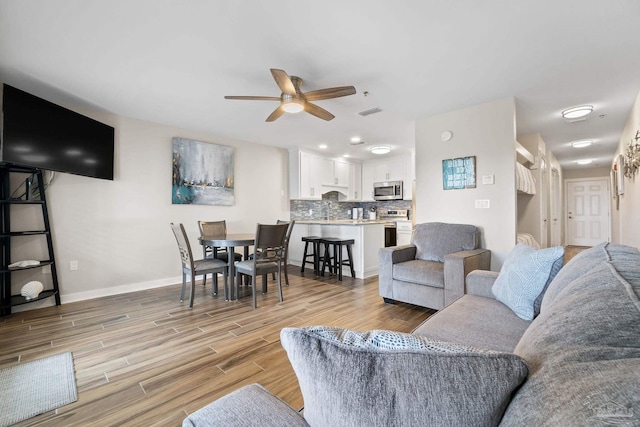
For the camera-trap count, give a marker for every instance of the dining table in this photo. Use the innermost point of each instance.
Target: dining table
(230, 241)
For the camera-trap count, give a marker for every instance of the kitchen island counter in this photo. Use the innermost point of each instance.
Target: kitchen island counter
(344, 221)
(368, 236)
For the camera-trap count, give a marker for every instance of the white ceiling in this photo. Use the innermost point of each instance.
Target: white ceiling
(173, 61)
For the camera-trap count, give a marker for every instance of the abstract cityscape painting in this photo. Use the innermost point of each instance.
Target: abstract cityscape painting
(202, 173)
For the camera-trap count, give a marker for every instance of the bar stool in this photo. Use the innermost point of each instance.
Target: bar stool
(338, 262)
(315, 254)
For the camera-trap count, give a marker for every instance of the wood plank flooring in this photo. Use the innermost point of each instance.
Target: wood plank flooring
(145, 359)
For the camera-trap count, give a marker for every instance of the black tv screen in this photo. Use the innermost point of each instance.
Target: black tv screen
(40, 134)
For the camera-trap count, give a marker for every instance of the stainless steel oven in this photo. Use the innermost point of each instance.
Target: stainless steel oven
(388, 190)
(390, 235)
(390, 229)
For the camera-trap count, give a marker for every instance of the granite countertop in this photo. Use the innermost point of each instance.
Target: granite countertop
(344, 221)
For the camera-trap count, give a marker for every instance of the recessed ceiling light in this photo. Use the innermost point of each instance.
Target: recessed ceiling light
(322, 146)
(584, 162)
(582, 143)
(380, 149)
(355, 139)
(577, 112)
(346, 155)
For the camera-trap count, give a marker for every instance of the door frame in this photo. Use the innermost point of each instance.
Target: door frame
(565, 225)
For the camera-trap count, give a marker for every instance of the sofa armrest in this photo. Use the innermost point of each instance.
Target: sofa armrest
(456, 268)
(479, 283)
(386, 258)
(249, 405)
(397, 254)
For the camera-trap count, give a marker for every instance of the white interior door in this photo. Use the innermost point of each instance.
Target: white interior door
(554, 208)
(587, 212)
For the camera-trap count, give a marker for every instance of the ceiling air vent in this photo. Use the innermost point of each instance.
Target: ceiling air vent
(370, 111)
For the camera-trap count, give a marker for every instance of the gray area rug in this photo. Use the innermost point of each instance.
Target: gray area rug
(32, 388)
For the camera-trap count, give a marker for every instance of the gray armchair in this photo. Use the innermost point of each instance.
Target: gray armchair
(431, 271)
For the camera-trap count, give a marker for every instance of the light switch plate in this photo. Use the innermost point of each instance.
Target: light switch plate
(488, 179)
(482, 204)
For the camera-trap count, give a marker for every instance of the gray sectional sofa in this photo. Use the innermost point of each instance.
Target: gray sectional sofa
(473, 363)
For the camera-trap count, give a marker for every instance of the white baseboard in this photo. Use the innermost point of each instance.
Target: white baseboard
(117, 290)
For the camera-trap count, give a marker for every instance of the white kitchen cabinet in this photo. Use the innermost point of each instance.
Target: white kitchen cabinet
(311, 175)
(389, 170)
(355, 181)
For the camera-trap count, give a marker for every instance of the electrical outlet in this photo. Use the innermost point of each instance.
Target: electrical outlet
(483, 204)
(73, 265)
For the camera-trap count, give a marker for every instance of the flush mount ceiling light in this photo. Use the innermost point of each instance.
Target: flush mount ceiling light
(356, 141)
(584, 162)
(577, 112)
(292, 104)
(581, 144)
(322, 146)
(380, 149)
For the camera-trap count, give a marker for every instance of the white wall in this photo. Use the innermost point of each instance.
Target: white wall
(486, 131)
(118, 231)
(624, 222)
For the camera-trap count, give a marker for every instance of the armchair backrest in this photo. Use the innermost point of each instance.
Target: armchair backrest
(434, 240)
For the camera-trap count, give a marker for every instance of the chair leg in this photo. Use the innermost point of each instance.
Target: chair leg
(214, 287)
(304, 257)
(193, 290)
(338, 262)
(280, 283)
(286, 274)
(254, 283)
(184, 285)
(353, 273)
(264, 283)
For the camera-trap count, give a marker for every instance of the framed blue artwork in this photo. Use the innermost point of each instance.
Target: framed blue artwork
(459, 173)
(202, 173)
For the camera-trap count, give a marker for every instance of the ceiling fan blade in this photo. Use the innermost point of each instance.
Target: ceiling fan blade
(333, 92)
(318, 111)
(275, 114)
(255, 98)
(284, 81)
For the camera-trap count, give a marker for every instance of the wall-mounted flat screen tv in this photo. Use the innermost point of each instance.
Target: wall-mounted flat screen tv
(37, 133)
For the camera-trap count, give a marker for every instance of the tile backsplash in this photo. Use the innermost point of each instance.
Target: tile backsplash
(330, 208)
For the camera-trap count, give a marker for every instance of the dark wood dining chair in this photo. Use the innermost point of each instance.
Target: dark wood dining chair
(195, 268)
(215, 228)
(286, 247)
(268, 257)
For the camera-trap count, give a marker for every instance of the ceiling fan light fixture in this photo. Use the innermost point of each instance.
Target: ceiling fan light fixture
(577, 112)
(380, 149)
(582, 143)
(292, 104)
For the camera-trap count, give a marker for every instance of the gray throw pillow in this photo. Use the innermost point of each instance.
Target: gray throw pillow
(524, 276)
(383, 378)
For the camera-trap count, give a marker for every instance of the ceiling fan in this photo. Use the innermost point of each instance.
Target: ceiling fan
(293, 100)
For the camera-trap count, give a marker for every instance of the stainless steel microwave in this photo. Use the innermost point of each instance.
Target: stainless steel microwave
(388, 190)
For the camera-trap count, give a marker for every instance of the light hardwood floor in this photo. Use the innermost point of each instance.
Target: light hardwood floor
(145, 359)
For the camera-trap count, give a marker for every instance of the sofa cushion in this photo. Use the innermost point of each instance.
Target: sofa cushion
(585, 345)
(578, 266)
(429, 273)
(356, 379)
(524, 275)
(434, 240)
(243, 407)
(476, 321)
